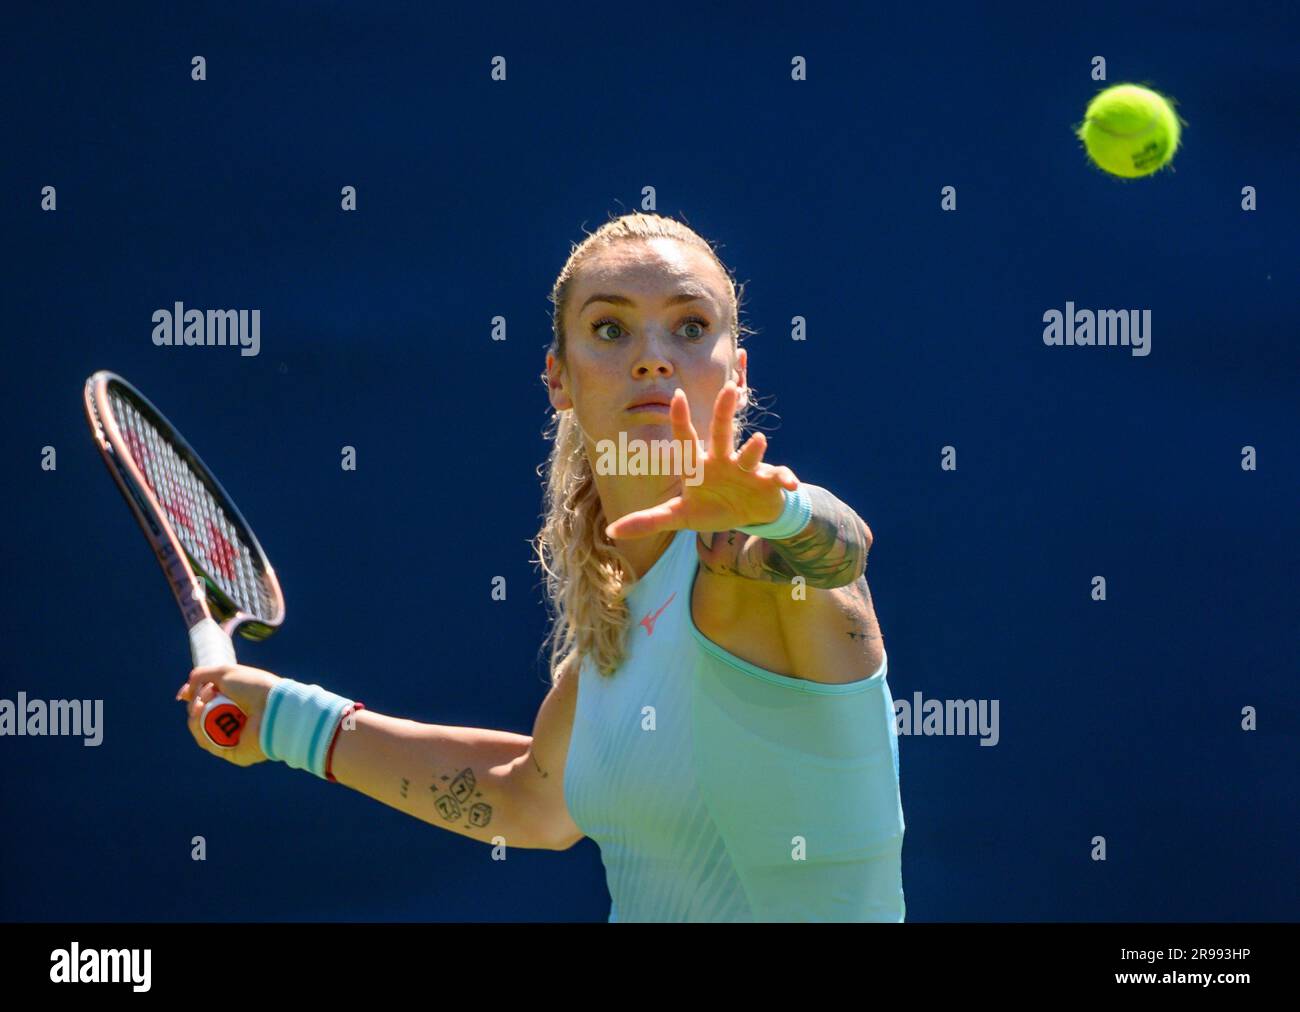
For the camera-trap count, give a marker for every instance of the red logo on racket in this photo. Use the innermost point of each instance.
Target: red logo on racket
(223, 724)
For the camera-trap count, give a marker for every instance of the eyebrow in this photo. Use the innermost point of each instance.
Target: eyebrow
(623, 300)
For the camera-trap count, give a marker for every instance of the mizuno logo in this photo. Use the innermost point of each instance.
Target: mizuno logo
(650, 620)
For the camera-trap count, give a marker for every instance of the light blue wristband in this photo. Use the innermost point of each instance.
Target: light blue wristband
(298, 724)
(793, 519)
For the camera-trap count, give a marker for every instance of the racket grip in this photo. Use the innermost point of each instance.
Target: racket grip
(222, 719)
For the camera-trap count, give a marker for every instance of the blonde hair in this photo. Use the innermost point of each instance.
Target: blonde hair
(587, 578)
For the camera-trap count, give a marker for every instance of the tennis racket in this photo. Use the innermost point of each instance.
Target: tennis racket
(215, 566)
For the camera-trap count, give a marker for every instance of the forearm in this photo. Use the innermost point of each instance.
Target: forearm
(457, 778)
(831, 551)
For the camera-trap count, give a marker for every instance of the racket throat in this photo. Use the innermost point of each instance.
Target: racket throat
(209, 644)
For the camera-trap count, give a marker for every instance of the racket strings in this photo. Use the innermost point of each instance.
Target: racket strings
(201, 525)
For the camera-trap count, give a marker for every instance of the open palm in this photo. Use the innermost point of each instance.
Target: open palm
(736, 488)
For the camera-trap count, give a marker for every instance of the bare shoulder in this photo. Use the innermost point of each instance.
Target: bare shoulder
(832, 635)
(827, 635)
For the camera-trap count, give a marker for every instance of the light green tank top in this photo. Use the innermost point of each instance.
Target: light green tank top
(721, 791)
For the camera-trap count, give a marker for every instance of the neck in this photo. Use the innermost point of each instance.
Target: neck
(621, 495)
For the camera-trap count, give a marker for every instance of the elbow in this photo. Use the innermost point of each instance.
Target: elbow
(853, 565)
(856, 559)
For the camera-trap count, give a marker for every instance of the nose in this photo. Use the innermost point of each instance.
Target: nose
(653, 356)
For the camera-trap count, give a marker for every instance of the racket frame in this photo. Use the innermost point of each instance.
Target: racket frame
(198, 596)
(210, 615)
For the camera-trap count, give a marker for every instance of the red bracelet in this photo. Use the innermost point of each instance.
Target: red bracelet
(329, 756)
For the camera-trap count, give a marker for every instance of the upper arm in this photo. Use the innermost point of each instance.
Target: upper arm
(539, 773)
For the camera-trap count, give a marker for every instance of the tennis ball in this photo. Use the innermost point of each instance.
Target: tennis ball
(1130, 131)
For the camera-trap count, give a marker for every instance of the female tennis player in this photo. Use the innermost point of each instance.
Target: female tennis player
(719, 720)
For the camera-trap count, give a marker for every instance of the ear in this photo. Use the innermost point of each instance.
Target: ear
(555, 384)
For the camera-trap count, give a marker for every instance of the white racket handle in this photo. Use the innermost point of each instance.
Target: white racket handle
(222, 719)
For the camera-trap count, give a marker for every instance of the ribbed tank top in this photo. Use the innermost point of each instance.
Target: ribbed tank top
(717, 790)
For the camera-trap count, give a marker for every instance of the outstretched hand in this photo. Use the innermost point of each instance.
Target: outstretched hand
(736, 488)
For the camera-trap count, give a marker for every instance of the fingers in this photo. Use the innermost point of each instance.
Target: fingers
(195, 706)
(208, 683)
(679, 415)
(750, 459)
(194, 713)
(783, 476)
(752, 452)
(199, 689)
(722, 430)
(200, 677)
(649, 521)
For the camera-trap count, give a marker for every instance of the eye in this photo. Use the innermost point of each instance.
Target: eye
(698, 324)
(598, 325)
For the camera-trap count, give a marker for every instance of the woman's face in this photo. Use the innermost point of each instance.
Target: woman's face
(644, 318)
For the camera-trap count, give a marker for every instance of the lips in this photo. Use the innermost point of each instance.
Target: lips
(652, 400)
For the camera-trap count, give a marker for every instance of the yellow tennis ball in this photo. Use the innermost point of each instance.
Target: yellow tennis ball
(1130, 131)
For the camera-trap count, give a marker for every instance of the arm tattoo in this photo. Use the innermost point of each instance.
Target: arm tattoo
(455, 799)
(830, 552)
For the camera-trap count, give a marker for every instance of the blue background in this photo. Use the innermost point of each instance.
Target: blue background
(1119, 719)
